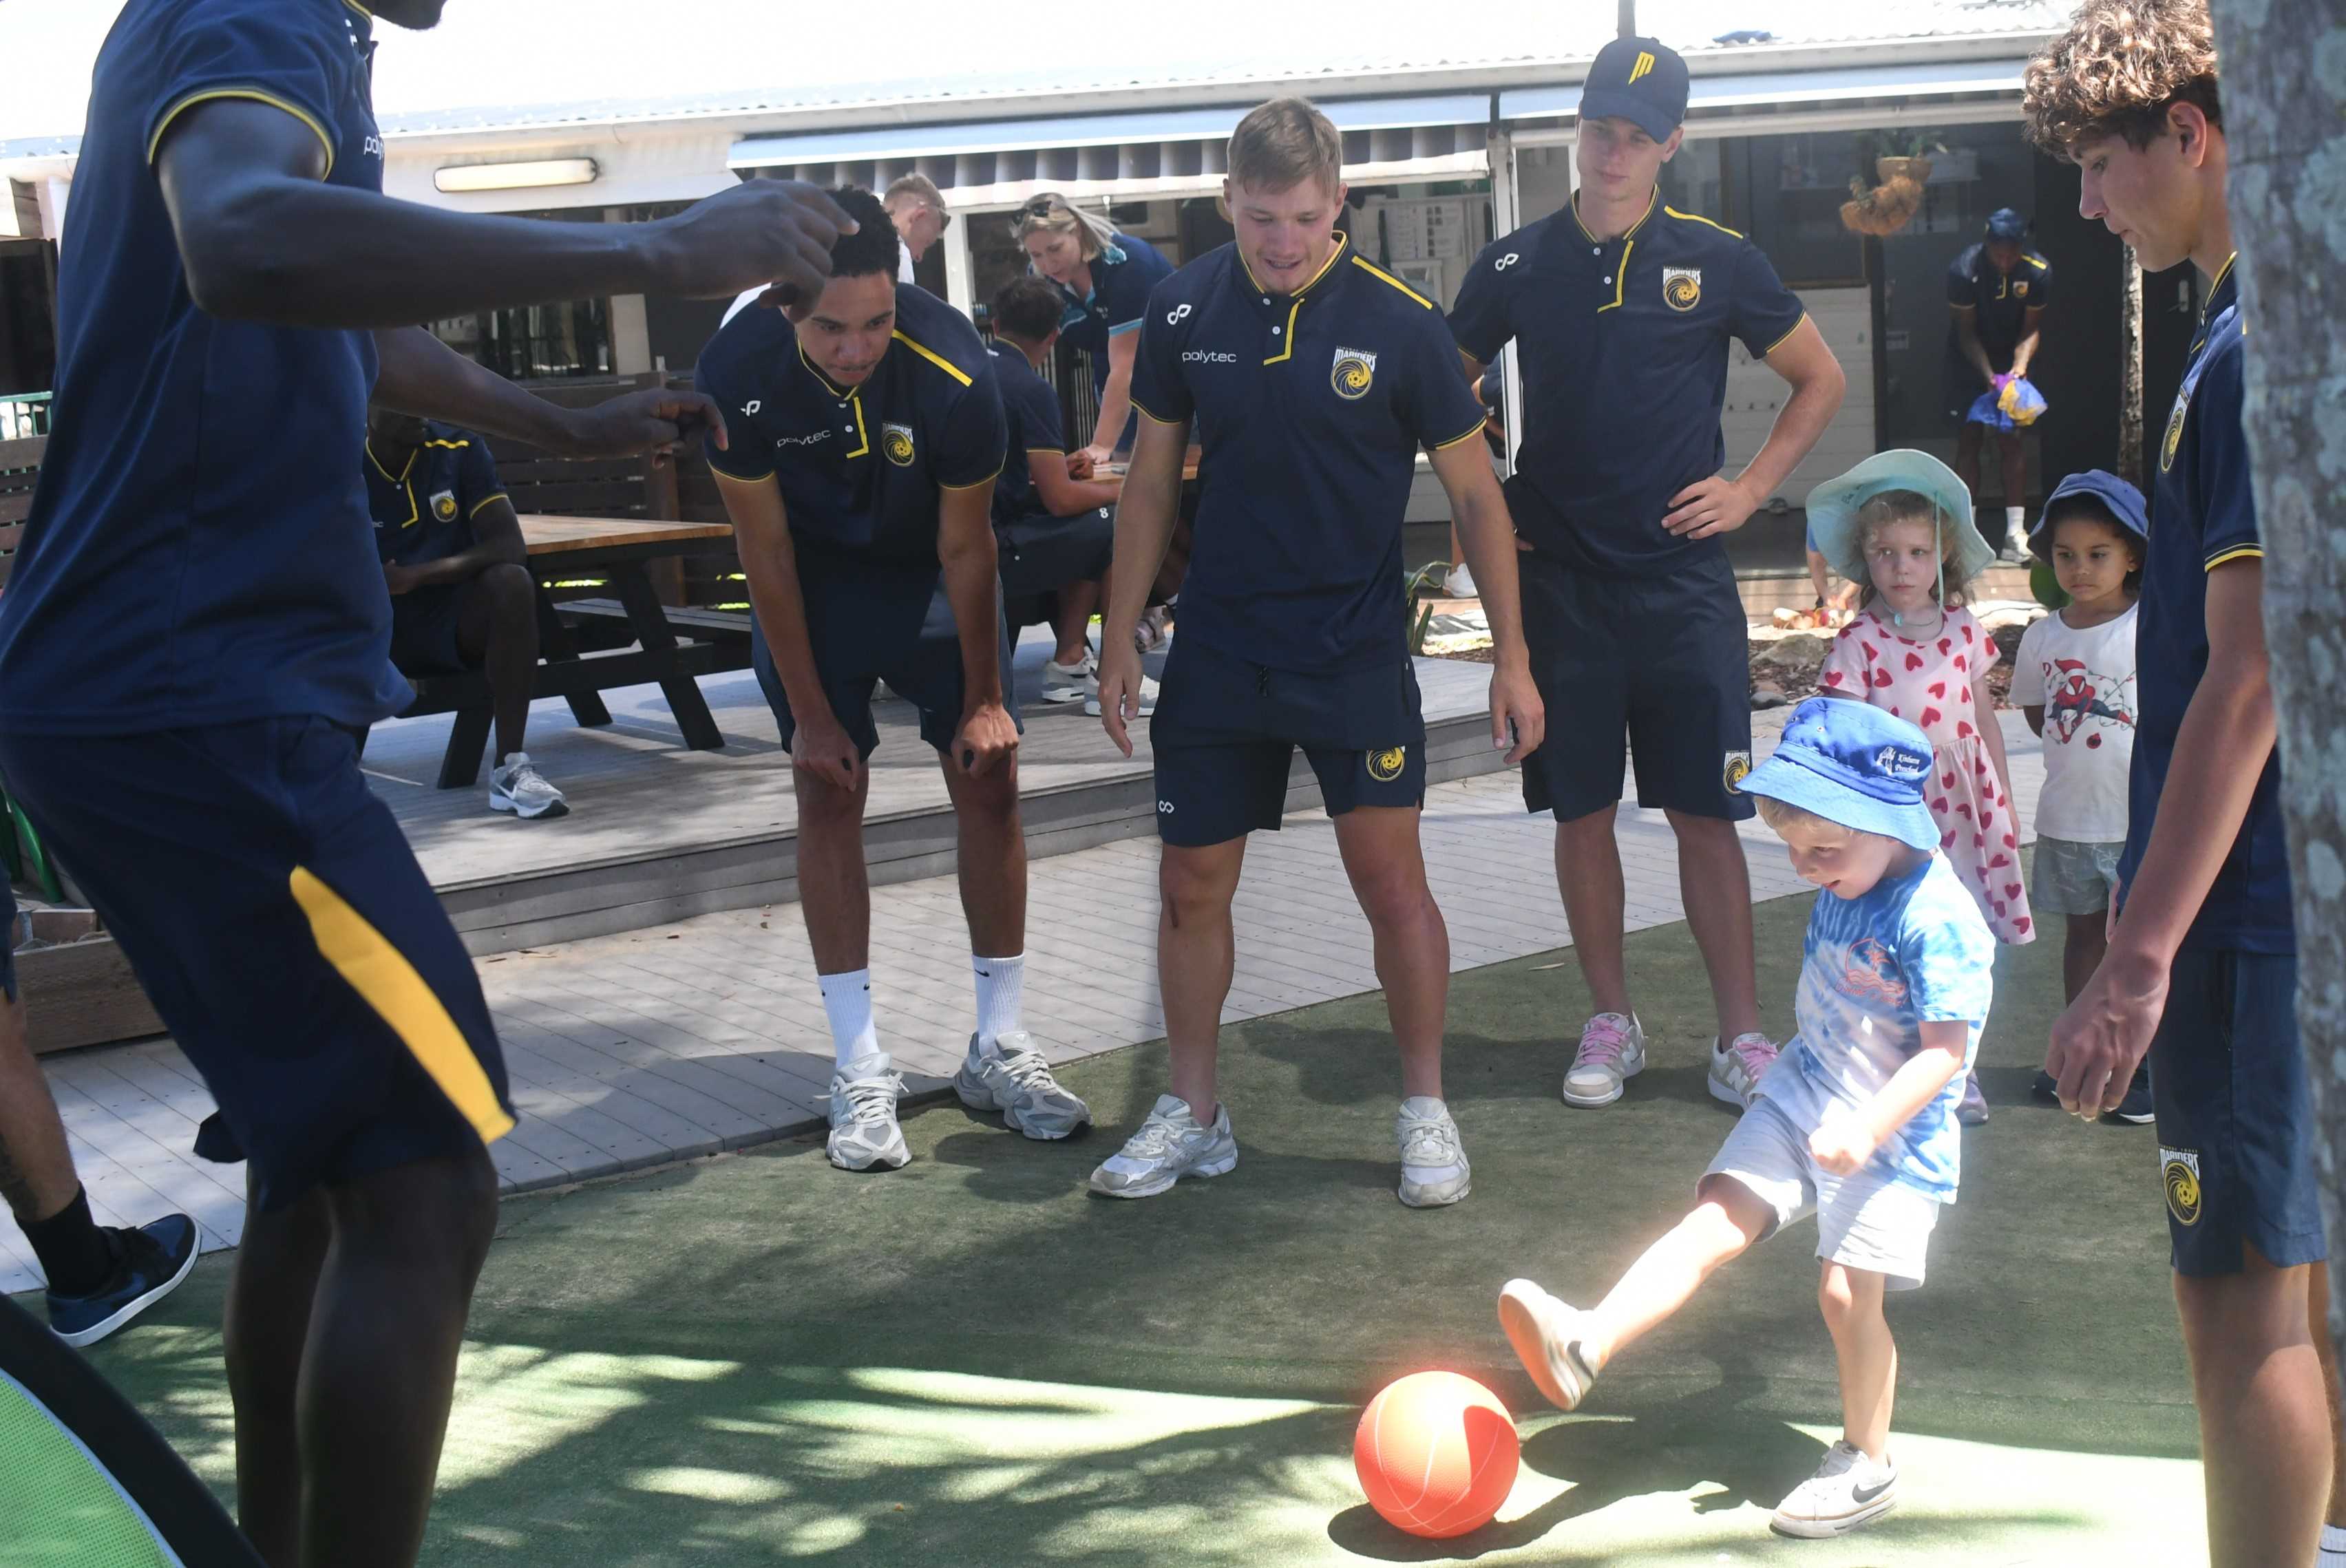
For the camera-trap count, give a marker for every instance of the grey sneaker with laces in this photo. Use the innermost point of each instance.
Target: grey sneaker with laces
(1169, 1145)
(1433, 1168)
(1012, 1077)
(515, 785)
(863, 1128)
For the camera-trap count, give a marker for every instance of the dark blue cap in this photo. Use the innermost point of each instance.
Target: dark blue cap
(1854, 764)
(1641, 80)
(2122, 500)
(2005, 224)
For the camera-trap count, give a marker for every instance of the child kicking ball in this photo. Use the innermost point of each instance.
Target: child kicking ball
(1854, 1122)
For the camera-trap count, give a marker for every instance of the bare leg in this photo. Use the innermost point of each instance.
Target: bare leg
(2081, 952)
(1851, 1299)
(992, 860)
(496, 627)
(834, 889)
(1588, 876)
(2318, 1280)
(36, 1169)
(269, 1294)
(2011, 457)
(1387, 866)
(1072, 626)
(1967, 456)
(379, 1369)
(1195, 950)
(1714, 885)
(2264, 1416)
(1729, 1220)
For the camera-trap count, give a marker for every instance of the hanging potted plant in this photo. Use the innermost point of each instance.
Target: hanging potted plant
(1903, 154)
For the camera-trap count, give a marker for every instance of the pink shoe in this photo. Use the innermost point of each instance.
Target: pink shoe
(1611, 1052)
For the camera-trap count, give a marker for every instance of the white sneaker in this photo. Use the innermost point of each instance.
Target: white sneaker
(1169, 1145)
(1848, 1490)
(1546, 1336)
(519, 788)
(1460, 582)
(1611, 1052)
(1013, 1078)
(1433, 1168)
(1736, 1066)
(863, 1130)
(1147, 698)
(1071, 682)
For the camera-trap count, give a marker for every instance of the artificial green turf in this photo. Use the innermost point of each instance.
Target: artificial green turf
(758, 1359)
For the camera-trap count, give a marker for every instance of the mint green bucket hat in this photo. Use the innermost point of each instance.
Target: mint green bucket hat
(1833, 507)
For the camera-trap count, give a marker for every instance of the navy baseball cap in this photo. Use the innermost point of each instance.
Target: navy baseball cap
(1641, 80)
(2122, 500)
(1851, 763)
(2006, 224)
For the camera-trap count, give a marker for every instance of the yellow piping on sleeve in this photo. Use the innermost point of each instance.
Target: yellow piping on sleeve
(1456, 440)
(484, 504)
(1786, 338)
(2237, 552)
(163, 126)
(973, 484)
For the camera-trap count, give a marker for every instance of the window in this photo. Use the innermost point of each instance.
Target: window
(538, 342)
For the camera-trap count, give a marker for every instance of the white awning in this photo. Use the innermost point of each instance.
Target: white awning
(1158, 153)
(1725, 95)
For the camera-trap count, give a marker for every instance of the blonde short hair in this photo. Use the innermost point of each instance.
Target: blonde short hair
(1051, 213)
(1895, 507)
(2117, 70)
(918, 187)
(1785, 818)
(1282, 143)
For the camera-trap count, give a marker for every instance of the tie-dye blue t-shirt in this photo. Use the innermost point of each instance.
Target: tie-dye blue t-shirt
(1873, 970)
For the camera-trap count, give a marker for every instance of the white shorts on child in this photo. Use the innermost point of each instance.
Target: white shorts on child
(1871, 1220)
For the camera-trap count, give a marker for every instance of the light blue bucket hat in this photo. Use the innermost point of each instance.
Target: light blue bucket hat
(1833, 507)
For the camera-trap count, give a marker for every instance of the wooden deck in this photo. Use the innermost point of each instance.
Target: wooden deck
(657, 832)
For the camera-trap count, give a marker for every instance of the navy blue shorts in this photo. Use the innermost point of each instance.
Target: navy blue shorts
(1043, 554)
(1663, 664)
(1225, 734)
(872, 620)
(273, 909)
(2236, 1136)
(423, 631)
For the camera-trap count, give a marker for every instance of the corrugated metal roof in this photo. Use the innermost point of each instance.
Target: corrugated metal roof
(521, 64)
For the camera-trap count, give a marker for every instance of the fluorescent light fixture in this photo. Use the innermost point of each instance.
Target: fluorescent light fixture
(515, 175)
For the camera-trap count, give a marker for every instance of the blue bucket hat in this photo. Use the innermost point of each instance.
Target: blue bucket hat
(1854, 764)
(2122, 500)
(1834, 504)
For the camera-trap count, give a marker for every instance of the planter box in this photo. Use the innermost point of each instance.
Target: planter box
(81, 994)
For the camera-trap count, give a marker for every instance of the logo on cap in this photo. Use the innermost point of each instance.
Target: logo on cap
(896, 444)
(1644, 67)
(1385, 766)
(1897, 763)
(1353, 371)
(1682, 287)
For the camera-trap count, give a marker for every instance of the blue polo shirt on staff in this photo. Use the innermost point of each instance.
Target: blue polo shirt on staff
(2000, 300)
(198, 550)
(1309, 409)
(1123, 275)
(860, 468)
(1623, 346)
(2202, 516)
(425, 510)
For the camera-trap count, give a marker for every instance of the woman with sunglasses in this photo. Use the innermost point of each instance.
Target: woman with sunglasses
(1103, 279)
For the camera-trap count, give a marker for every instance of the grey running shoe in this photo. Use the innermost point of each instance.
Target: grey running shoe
(1433, 1168)
(1014, 1079)
(1611, 1052)
(1169, 1145)
(519, 788)
(1848, 1490)
(863, 1130)
(1546, 1336)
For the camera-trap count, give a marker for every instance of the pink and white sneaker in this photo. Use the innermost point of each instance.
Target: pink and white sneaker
(1611, 1052)
(1736, 1067)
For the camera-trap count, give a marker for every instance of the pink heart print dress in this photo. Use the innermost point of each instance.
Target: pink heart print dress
(1928, 683)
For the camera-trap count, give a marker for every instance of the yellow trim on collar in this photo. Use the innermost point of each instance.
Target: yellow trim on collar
(162, 125)
(1620, 277)
(1652, 202)
(1343, 244)
(1698, 217)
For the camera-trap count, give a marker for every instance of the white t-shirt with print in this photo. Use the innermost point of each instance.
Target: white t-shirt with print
(2084, 682)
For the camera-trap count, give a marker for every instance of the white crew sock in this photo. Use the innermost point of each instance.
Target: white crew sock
(847, 1000)
(2333, 1547)
(2015, 523)
(1001, 988)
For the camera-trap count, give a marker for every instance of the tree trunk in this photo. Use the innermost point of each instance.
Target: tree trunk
(2130, 380)
(2285, 119)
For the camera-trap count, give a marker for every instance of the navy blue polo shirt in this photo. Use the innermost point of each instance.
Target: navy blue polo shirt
(1623, 345)
(1124, 274)
(198, 550)
(423, 509)
(2000, 300)
(1030, 411)
(2202, 516)
(1309, 409)
(860, 468)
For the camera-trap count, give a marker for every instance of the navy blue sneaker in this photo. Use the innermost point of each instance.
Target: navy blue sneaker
(2136, 1106)
(149, 1263)
(2044, 1088)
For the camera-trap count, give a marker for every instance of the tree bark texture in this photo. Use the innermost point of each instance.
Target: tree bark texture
(2130, 393)
(2284, 100)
